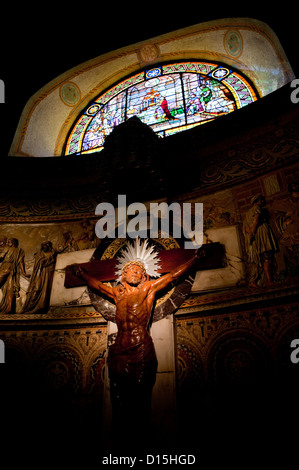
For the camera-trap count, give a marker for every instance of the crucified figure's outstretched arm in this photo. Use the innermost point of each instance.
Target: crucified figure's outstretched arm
(154, 285)
(177, 272)
(92, 282)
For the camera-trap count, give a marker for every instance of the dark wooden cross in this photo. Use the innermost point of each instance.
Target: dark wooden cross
(104, 270)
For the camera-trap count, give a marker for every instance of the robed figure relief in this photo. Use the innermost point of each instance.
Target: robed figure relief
(132, 362)
(11, 266)
(39, 290)
(286, 218)
(260, 242)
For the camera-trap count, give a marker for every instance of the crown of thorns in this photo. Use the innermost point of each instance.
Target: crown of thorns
(133, 263)
(140, 254)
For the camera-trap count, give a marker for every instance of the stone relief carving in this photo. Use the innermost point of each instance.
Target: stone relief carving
(225, 213)
(26, 271)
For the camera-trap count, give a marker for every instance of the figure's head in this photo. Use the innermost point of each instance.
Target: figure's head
(294, 190)
(258, 200)
(133, 273)
(67, 235)
(46, 246)
(3, 242)
(138, 253)
(13, 242)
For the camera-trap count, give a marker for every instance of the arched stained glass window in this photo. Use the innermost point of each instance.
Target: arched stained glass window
(170, 98)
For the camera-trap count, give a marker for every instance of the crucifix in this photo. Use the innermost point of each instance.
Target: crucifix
(106, 270)
(141, 273)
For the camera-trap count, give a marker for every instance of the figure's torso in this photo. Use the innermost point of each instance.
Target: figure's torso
(133, 310)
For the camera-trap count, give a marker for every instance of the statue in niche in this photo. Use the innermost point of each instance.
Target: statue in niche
(11, 266)
(132, 362)
(38, 294)
(260, 242)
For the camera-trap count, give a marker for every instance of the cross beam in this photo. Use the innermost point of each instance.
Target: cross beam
(104, 270)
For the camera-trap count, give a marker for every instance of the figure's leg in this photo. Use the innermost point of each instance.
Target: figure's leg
(131, 404)
(11, 303)
(4, 273)
(8, 302)
(11, 297)
(268, 269)
(253, 275)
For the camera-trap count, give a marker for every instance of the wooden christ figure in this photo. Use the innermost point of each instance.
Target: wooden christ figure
(132, 362)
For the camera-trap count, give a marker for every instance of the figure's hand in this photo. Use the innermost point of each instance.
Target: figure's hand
(77, 270)
(201, 252)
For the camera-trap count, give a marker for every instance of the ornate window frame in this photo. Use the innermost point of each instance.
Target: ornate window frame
(227, 88)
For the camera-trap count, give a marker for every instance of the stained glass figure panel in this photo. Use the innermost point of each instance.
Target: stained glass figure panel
(170, 99)
(158, 102)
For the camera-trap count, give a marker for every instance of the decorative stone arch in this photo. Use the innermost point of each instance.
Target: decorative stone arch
(190, 363)
(60, 368)
(96, 372)
(248, 45)
(237, 358)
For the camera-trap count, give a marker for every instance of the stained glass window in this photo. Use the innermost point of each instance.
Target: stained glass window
(170, 99)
